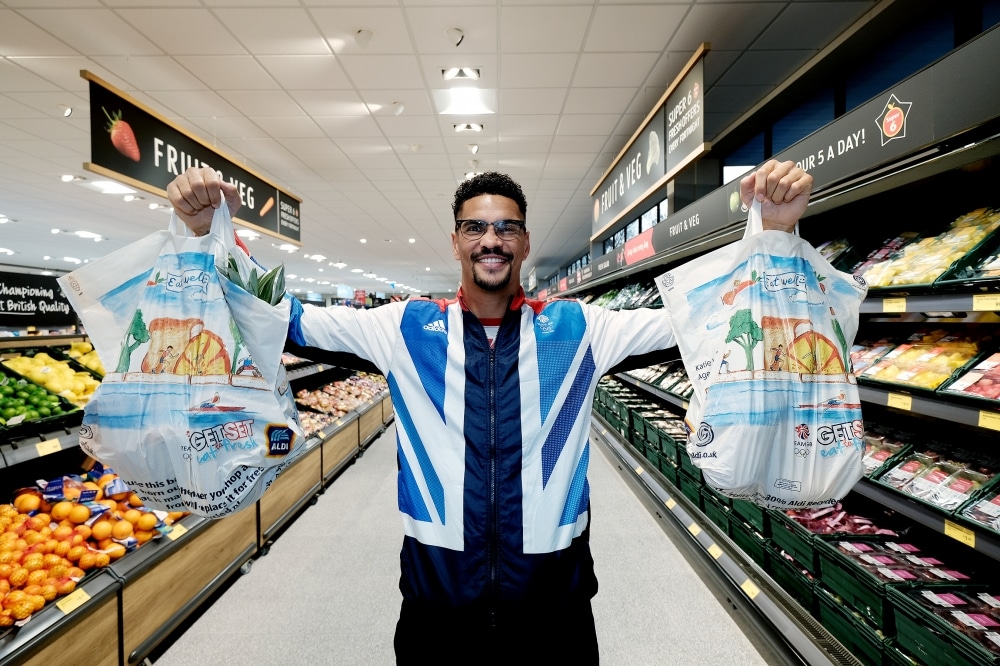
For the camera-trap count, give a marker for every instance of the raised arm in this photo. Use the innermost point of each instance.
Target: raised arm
(196, 193)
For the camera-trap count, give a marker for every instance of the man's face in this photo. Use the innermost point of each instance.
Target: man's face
(489, 262)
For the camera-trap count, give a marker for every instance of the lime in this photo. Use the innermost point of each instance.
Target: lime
(8, 412)
(22, 394)
(44, 411)
(6, 390)
(30, 415)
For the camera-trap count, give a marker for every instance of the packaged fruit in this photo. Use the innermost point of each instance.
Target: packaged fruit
(980, 381)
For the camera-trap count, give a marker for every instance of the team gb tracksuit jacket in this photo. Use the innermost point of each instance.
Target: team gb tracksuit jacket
(492, 439)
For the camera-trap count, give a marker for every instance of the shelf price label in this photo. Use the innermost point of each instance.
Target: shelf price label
(894, 305)
(986, 302)
(671, 503)
(638, 471)
(177, 531)
(47, 447)
(715, 551)
(694, 529)
(750, 589)
(959, 533)
(989, 420)
(73, 600)
(900, 401)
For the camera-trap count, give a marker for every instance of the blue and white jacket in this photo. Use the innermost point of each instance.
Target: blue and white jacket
(492, 440)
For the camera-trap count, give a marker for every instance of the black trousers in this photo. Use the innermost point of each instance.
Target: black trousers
(558, 635)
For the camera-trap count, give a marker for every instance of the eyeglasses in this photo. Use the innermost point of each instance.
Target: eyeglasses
(476, 229)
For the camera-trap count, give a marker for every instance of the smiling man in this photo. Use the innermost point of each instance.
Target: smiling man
(493, 396)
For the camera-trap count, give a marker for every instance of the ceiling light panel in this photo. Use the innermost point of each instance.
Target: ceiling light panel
(465, 101)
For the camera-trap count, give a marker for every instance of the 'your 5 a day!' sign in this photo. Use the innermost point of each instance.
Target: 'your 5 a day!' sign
(131, 143)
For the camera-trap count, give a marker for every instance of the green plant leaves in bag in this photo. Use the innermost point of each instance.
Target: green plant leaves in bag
(269, 287)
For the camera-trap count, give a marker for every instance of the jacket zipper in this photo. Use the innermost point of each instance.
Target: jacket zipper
(494, 553)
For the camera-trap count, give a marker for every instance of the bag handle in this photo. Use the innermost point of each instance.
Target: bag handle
(755, 221)
(222, 227)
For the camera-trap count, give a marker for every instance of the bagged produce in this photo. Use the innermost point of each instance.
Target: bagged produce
(765, 327)
(196, 412)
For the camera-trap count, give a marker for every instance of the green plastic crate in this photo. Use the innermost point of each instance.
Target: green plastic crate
(686, 464)
(691, 488)
(851, 630)
(652, 455)
(668, 469)
(752, 514)
(789, 575)
(893, 657)
(749, 541)
(794, 539)
(932, 640)
(717, 512)
(859, 589)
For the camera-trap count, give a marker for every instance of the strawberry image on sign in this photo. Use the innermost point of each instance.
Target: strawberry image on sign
(122, 136)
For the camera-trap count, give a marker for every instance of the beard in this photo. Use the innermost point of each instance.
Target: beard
(498, 283)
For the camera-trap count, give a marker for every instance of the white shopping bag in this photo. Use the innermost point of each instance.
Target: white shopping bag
(764, 327)
(195, 412)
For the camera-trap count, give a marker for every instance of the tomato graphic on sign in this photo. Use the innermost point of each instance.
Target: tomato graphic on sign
(892, 120)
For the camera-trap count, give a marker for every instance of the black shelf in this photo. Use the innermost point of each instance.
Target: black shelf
(931, 302)
(978, 417)
(982, 540)
(670, 398)
(306, 371)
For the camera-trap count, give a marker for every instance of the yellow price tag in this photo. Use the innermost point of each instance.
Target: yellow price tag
(900, 401)
(959, 533)
(638, 470)
(986, 302)
(73, 600)
(694, 529)
(989, 420)
(684, 404)
(48, 446)
(750, 589)
(715, 551)
(671, 503)
(894, 305)
(177, 531)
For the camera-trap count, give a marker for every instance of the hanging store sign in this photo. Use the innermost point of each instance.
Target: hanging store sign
(131, 143)
(670, 138)
(33, 300)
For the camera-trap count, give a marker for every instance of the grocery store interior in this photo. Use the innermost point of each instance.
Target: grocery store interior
(347, 126)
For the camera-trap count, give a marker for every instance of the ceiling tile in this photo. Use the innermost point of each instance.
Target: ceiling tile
(405, 125)
(587, 124)
(477, 23)
(543, 29)
(263, 103)
(536, 70)
(71, 25)
(18, 79)
(531, 100)
(347, 127)
(613, 69)
(809, 25)
(284, 127)
(525, 125)
(225, 72)
(179, 31)
(330, 102)
(415, 102)
(383, 71)
(628, 29)
(725, 25)
(193, 103)
(340, 26)
(764, 67)
(578, 144)
(20, 37)
(273, 31)
(306, 72)
(598, 100)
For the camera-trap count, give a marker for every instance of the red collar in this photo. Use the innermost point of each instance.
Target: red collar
(515, 303)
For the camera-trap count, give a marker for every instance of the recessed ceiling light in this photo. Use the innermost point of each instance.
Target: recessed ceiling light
(364, 240)
(357, 270)
(287, 247)
(4, 250)
(473, 148)
(131, 197)
(247, 234)
(460, 73)
(468, 127)
(71, 260)
(427, 268)
(413, 240)
(67, 111)
(111, 187)
(339, 264)
(315, 257)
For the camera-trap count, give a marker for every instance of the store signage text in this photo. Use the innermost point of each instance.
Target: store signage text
(854, 140)
(35, 300)
(148, 152)
(684, 225)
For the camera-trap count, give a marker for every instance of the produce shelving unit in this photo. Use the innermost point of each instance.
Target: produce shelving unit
(144, 596)
(745, 578)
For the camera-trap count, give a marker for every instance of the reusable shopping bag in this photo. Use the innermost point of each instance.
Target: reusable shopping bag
(195, 412)
(764, 327)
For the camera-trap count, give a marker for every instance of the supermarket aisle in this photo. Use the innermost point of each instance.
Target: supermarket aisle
(327, 593)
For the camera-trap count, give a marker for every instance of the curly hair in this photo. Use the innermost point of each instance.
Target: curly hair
(490, 182)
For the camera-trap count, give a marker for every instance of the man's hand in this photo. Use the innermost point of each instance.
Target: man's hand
(783, 192)
(196, 193)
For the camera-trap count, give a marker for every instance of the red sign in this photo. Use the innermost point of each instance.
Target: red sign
(637, 249)
(543, 294)
(359, 296)
(562, 285)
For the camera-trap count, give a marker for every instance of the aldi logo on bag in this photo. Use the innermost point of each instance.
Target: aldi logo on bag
(280, 440)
